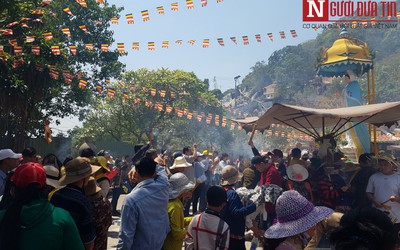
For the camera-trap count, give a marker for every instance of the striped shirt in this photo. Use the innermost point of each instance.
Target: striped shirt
(209, 231)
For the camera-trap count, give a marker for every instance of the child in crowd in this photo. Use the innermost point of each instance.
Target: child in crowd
(179, 187)
(207, 229)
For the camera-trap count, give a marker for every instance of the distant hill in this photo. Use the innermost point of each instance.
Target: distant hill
(293, 70)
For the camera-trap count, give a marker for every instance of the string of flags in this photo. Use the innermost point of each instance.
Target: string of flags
(56, 49)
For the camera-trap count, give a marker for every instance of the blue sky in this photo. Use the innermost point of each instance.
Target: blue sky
(226, 19)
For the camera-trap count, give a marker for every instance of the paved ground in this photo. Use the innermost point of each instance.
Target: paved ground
(114, 229)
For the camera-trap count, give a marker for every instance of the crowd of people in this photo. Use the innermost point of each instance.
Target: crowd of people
(197, 199)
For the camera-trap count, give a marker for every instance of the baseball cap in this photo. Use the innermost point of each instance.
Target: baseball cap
(28, 173)
(8, 153)
(257, 160)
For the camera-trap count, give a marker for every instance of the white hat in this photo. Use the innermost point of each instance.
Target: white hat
(180, 162)
(297, 172)
(52, 175)
(8, 153)
(178, 184)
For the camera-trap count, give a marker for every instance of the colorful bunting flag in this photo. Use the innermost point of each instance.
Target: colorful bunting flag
(153, 92)
(172, 93)
(294, 34)
(206, 42)
(68, 11)
(24, 25)
(114, 20)
(191, 42)
(121, 47)
(18, 50)
(135, 46)
(165, 44)
(178, 42)
(145, 15)
(11, 24)
(220, 1)
(373, 21)
(104, 47)
(82, 3)
(190, 4)
(99, 88)
(129, 18)
(54, 74)
(245, 40)
(67, 76)
(160, 10)
(163, 93)
(48, 36)
(282, 34)
(126, 96)
(270, 37)
(110, 93)
(66, 31)
(30, 39)
(55, 50)
(203, 3)
(174, 6)
(258, 38)
(1, 49)
(36, 50)
(37, 12)
(150, 46)
(234, 39)
(72, 48)
(168, 109)
(82, 84)
(108, 81)
(89, 46)
(83, 27)
(221, 41)
(6, 32)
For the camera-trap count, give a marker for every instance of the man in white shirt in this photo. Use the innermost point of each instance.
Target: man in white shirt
(8, 161)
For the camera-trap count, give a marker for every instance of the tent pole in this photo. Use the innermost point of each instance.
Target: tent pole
(374, 101)
(371, 148)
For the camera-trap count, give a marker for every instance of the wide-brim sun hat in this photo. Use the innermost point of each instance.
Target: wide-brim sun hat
(180, 162)
(52, 176)
(297, 172)
(229, 175)
(295, 215)
(91, 188)
(77, 169)
(178, 184)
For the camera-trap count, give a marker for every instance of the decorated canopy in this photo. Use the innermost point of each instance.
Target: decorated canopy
(308, 120)
(345, 54)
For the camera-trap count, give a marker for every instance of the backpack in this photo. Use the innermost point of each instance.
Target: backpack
(328, 191)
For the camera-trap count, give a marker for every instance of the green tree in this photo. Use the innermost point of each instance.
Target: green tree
(32, 87)
(131, 119)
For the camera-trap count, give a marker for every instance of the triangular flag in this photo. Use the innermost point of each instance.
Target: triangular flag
(129, 18)
(121, 47)
(82, 84)
(66, 31)
(151, 46)
(294, 34)
(282, 33)
(83, 27)
(270, 37)
(68, 11)
(36, 50)
(89, 46)
(174, 6)
(160, 10)
(234, 39)
(191, 42)
(18, 50)
(135, 46)
(104, 47)
(82, 3)
(190, 4)
(165, 44)
(203, 3)
(72, 48)
(55, 50)
(206, 42)
(221, 41)
(245, 40)
(114, 20)
(30, 39)
(258, 38)
(179, 42)
(48, 36)
(145, 15)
